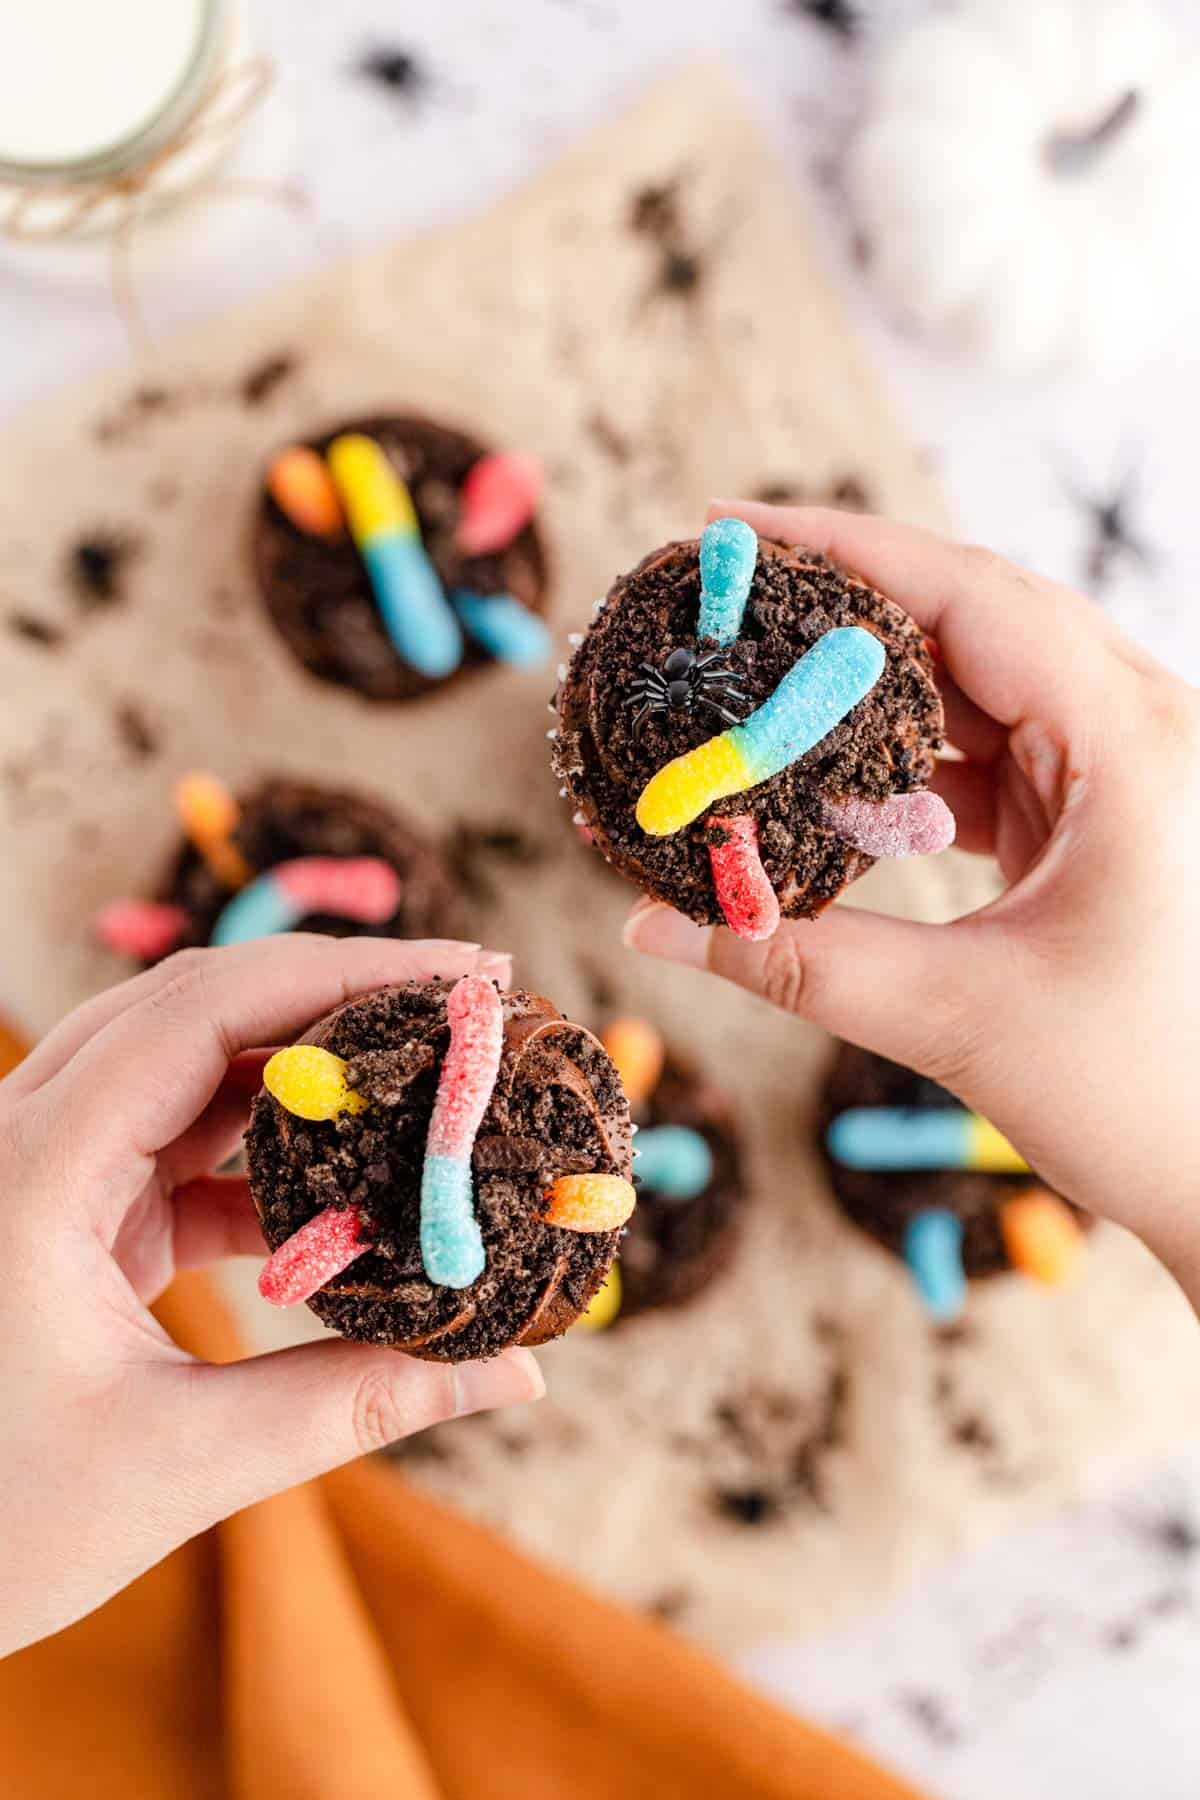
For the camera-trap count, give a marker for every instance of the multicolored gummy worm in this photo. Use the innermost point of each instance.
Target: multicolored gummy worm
(311, 1083)
(1040, 1232)
(383, 523)
(819, 690)
(355, 486)
(889, 1138)
(365, 889)
(451, 1242)
(815, 695)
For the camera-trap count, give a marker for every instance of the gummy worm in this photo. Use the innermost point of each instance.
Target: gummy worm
(451, 1242)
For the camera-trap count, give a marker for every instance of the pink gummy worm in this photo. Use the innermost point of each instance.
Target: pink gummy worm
(146, 929)
(498, 500)
(313, 1255)
(904, 825)
(470, 1069)
(354, 887)
(749, 902)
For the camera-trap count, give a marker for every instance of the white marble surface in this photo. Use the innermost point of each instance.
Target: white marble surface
(1060, 1662)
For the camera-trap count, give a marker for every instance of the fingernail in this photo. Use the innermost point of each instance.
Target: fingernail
(508, 1380)
(658, 930)
(446, 946)
(496, 965)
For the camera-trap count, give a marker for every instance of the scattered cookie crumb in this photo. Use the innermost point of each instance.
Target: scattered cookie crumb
(841, 17)
(260, 383)
(396, 70)
(930, 1714)
(134, 730)
(96, 567)
(35, 630)
(669, 1605)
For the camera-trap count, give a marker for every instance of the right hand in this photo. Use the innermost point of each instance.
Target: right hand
(1068, 1011)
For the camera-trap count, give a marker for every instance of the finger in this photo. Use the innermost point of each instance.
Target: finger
(968, 727)
(888, 984)
(62, 1042)
(142, 1081)
(243, 1431)
(214, 1217)
(217, 1133)
(1013, 642)
(969, 790)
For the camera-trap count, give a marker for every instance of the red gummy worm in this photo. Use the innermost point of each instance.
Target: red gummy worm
(354, 887)
(749, 902)
(314, 1255)
(146, 929)
(468, 1076)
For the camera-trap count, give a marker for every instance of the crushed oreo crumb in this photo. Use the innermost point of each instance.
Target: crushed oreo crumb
(35, 630)
(260, 383)
(97, 566)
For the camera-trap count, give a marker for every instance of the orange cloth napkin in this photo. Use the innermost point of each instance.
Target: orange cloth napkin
(353, 1640)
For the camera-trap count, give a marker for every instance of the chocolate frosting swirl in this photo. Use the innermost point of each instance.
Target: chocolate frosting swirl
(557, 1108)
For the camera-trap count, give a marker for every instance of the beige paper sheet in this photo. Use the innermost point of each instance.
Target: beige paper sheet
(808, 1377)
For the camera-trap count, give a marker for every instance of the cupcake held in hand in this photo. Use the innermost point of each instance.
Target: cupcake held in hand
(441, 1168)
(394, 553)
(744, 729)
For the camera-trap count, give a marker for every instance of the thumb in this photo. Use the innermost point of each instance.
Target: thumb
(893, 986)
(250, 1429)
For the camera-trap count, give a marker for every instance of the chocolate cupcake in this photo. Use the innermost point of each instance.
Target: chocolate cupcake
(395, 553)
(936, 1184)
(288, 855)
(441, 1168)
(688, 1173)
(745, 728)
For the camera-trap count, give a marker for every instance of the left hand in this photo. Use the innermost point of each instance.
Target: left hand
(115, 1445)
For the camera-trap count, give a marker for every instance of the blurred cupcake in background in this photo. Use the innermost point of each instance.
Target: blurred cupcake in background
(394, 554)
(287, 855)
(938, 1185)
(688, 1171)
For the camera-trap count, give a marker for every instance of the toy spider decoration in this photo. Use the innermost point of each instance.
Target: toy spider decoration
(684, 682)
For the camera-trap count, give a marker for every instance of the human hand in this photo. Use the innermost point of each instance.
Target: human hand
(115, 1445)
(1067, 1011)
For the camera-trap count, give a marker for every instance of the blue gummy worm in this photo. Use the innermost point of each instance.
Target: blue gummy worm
(728, 555)
(260, 910)
(415, 612)
(815, 695)
(451, 1242)
(506, 629)
(933, 1252)
(674, 1160)
(900, 1137)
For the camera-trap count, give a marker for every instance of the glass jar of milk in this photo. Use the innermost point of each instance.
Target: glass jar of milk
(126, 116)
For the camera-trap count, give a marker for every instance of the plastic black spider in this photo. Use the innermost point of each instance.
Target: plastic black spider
(684, 682)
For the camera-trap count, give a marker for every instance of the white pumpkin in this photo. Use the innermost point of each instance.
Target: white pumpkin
(1025, 184)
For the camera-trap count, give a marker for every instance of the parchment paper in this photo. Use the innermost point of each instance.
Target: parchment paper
(801, 1438)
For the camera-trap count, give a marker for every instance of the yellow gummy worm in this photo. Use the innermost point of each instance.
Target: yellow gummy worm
(311, 1083)
(990, 1150)
(605, 1303)
(687, 787)
(374, 498)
